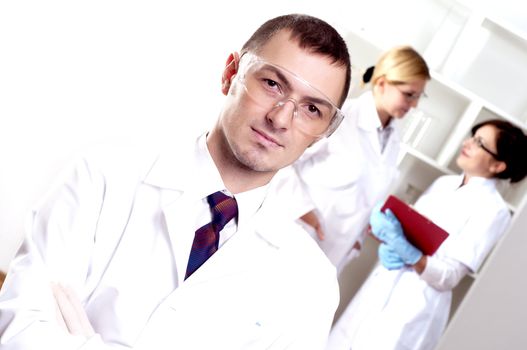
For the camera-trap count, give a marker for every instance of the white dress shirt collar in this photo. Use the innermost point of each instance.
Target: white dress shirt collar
(248, 202)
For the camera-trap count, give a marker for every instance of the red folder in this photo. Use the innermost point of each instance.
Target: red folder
(420, 231)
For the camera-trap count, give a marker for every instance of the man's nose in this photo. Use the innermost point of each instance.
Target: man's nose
(282, 114)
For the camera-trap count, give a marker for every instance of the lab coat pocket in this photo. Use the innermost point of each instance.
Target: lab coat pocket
(223, 305)
(216, 315)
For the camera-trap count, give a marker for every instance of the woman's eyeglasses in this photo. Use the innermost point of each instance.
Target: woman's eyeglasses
(479, 142)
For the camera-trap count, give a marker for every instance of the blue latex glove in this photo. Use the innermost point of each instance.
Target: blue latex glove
(389, 258)
(384, 225)
(387, 229)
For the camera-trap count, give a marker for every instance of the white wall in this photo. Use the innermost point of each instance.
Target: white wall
(494, 312)
(73, 74)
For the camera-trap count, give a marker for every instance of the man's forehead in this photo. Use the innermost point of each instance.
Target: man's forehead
(318, 70)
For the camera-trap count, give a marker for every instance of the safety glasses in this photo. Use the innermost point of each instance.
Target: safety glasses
(271, 86)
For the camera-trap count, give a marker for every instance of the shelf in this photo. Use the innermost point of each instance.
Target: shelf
(494, 24)
(490, 15)
(417, 172)
(407, 150)
(485, 104)
(489, 62)
(478, 68)
(428, 127)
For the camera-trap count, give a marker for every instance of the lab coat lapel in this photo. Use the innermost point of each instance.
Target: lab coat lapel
(373, 140)
(171, 173)
(393, 145)
(367, 122)
(180, 227)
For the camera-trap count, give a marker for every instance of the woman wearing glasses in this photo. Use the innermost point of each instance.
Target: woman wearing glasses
(345, 175)
(405, 302)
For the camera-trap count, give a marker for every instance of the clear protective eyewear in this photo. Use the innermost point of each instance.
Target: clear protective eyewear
(271, 86)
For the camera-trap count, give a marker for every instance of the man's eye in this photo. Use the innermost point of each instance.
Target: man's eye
(314, 109)
(271, 83)
(271, 86)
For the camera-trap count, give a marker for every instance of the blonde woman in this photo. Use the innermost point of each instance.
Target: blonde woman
(346, 174)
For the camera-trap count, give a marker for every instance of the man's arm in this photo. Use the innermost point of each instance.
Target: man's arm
(57, 247)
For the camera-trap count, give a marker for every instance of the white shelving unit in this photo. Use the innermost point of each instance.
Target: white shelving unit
(478, 73)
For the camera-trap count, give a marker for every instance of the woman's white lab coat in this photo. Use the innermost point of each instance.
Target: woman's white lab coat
(346, 174)
(118, 232)
(398, 309)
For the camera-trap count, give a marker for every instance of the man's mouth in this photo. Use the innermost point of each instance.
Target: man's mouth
(267, 139)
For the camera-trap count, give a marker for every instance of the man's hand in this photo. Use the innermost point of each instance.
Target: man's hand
(70, 313)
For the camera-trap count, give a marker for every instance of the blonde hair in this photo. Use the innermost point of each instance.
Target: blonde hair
(400, 65)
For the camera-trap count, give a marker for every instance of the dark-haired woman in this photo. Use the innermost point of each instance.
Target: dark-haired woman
(405, 302)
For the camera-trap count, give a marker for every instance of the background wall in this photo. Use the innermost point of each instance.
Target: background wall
(493, 314)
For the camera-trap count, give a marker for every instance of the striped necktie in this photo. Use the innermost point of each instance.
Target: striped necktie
(223, 209)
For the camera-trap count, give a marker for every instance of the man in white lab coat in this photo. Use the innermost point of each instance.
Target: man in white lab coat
(104, 260)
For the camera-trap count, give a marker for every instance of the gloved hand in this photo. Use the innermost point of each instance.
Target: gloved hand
(384, 225)
(387, 228)
(389, 258)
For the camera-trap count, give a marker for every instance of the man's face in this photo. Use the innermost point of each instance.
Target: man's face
(263, 138)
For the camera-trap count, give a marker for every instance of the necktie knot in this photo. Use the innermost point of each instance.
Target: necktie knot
(223, 209)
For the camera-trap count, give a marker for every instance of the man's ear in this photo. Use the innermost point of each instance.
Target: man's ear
(229, 72)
